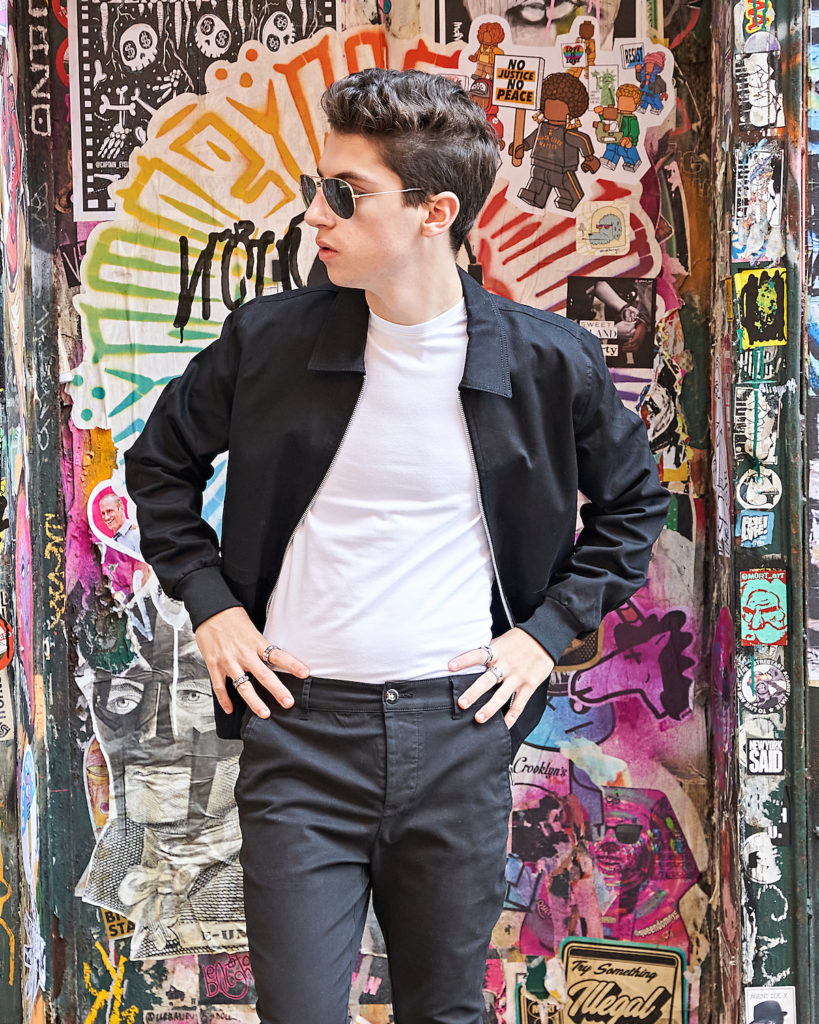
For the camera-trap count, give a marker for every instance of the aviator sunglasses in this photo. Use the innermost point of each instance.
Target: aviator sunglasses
(339, 193)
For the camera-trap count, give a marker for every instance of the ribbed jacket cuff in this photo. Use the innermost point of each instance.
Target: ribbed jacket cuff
(205, 592)
(553, 626)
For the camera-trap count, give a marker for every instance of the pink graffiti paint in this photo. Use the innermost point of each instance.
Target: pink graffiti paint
(648, 658)
(227, 975)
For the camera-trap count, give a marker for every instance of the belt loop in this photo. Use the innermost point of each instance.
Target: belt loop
(304, 709)
(457, 710)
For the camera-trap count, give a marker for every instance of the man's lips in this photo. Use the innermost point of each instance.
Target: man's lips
(325, 250)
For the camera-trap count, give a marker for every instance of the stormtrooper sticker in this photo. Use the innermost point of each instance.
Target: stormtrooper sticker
(764, 685)
(763, 602)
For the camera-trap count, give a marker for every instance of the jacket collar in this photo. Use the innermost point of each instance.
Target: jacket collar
(341, 341)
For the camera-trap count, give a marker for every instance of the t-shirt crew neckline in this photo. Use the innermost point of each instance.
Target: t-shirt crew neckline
(427, 329)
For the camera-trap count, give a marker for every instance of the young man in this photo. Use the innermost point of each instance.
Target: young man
(398, 564)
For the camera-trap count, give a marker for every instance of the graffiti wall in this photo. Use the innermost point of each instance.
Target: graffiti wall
(174, 148)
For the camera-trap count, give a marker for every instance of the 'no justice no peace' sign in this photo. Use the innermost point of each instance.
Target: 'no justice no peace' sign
(517, 81)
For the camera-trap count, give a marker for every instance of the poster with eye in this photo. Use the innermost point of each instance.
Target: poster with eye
(130, 58)
(167, 853)
(620, 312)
(533, 22)
(763, 600)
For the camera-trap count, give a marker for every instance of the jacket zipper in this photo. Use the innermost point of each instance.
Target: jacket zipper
(504, 602)
(311, 502)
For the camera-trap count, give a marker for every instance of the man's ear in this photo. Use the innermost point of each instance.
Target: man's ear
(441, 211)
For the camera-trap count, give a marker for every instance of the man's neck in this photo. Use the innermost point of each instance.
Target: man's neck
(417, 298)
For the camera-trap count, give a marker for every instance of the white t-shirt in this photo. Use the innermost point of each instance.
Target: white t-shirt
(389, 574)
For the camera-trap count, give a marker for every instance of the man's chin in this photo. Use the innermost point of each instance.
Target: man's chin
(339, 278)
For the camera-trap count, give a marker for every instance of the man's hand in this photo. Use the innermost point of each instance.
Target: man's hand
(525, 665)
(231, 645)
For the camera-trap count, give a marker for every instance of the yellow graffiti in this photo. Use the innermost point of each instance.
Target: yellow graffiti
(5, 892)
(268, 120)
(55, 552)
(248, 185)
(110, 997)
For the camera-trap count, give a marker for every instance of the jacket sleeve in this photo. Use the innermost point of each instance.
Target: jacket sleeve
(166, 472)
(623, 516)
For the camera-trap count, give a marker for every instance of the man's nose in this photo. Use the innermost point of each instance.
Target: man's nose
(318, 213)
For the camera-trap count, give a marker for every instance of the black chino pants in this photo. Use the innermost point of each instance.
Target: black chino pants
(360, 787)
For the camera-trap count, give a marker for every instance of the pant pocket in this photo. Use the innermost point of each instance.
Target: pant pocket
(506, 737)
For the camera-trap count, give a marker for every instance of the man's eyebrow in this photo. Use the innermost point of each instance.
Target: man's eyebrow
(352, 176)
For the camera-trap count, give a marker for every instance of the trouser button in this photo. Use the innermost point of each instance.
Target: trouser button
(391, 696)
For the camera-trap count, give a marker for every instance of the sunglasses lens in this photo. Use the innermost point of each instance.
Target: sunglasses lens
(339, 196)
(308, 189)
(627, 834)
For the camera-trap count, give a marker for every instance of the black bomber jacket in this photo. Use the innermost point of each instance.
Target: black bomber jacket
(277, 390)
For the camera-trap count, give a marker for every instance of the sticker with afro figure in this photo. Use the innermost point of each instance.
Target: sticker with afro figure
(572, 119)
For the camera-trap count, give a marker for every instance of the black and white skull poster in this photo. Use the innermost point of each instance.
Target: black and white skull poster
(131, 58)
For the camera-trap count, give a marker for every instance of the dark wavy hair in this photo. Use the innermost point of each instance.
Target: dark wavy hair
(428, 131)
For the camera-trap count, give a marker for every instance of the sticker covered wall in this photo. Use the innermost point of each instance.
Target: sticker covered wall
(758, 177)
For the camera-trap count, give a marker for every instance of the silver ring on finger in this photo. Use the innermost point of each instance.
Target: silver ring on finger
(240, 681)
(265, 655)
(490, 654)
(497, 672)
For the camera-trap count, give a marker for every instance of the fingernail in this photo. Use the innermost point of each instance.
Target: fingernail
(480, 716)
(463, 702)
(288, 703)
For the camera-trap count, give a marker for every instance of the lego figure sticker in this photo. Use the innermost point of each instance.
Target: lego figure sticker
(569, 115)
